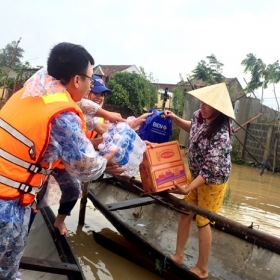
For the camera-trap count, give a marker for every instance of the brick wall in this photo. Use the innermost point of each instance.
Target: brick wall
(262, 137)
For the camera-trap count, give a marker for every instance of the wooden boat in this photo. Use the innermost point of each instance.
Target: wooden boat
(48, 255)
(150, 222)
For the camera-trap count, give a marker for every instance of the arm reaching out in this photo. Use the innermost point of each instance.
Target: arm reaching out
(110, 116)
(135, 123)
(186, 125)
(198, 181)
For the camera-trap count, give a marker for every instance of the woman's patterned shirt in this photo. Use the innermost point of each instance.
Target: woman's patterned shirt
(209, 158)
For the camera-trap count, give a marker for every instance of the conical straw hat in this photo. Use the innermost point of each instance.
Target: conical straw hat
(216, 96)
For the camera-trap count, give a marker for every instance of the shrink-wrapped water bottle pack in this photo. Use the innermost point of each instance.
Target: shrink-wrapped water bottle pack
(131, 146)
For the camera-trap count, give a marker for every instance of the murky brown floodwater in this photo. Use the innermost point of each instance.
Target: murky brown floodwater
(253, 199)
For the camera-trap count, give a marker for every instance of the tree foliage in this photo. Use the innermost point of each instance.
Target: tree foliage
(7, 53)
(179, 95)
(209, 72)
(261, 74)
(24, 72)
(178, 100)
(133, 91)
(10, 59)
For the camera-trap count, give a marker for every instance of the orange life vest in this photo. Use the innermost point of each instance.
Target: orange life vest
(92, 133)
(25, 126)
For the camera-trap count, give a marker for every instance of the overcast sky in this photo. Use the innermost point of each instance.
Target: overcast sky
(166, 38)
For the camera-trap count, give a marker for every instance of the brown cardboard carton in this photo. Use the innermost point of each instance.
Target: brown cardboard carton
(162, 165)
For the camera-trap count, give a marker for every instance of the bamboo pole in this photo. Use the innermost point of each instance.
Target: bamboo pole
(250, 120)
(276, 134)
(83, 204)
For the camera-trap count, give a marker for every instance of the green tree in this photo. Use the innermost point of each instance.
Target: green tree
(132, 90)
(178, 100)
(179, 95)
(7, 53)
(210, 72)
(257, 69)
(151, 89)
(272, 73)
(120, 96)
(261, 74)
(216, 69)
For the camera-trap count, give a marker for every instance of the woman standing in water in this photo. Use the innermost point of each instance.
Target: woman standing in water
(210, 165)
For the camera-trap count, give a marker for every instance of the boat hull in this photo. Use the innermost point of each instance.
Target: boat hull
(153, 227)
(48, 255)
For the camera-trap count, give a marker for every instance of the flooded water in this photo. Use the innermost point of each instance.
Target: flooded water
(252, 199)
(97, 262)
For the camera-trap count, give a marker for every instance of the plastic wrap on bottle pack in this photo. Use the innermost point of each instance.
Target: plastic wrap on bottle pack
(131, 147)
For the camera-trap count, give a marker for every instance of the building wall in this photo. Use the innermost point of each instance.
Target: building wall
(260, 143)
(234, 88)
(191, 104)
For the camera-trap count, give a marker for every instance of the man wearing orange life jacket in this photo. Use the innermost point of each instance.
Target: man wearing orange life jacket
(91, 107)
(95, 98)
(40, 126)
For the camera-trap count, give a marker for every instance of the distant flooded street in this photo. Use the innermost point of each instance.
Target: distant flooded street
(252, 199)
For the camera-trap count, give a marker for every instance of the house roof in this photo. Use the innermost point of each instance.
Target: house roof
(109, 70)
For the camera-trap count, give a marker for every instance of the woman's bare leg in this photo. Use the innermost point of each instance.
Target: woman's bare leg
(205, 241)
(183, 232)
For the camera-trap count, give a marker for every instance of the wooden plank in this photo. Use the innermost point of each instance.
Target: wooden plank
(127, 204)
(49, 266)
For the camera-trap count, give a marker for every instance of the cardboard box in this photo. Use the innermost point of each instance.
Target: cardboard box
(162, 165)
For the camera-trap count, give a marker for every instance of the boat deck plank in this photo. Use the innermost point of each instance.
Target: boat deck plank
(127, 204)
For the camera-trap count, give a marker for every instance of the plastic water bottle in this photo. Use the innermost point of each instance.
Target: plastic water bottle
(131, 147)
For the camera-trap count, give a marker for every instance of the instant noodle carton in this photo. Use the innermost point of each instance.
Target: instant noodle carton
(162, 165)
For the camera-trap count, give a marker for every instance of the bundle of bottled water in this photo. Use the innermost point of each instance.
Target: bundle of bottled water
(131, 146)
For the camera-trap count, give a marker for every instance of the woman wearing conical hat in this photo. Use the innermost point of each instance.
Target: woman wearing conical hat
(210, 165)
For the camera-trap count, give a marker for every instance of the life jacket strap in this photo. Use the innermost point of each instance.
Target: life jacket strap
(20, 137)
(32, 168)
(20, 186)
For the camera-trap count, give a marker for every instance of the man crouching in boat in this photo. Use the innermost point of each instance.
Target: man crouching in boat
(209, 164)
(40, 126)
